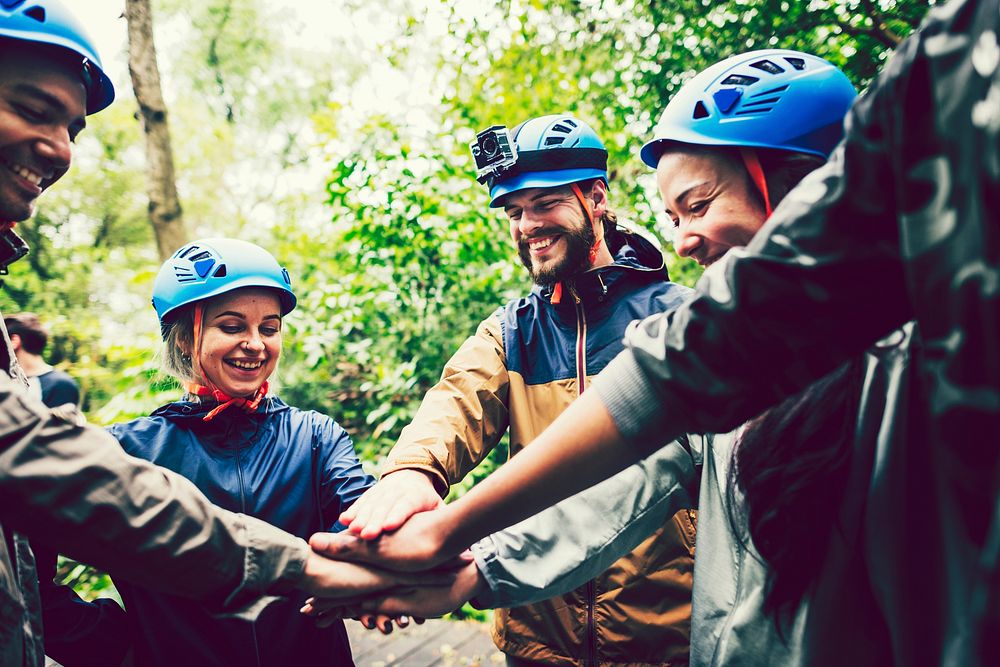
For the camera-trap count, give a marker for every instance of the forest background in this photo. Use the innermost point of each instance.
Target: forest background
(336, 135)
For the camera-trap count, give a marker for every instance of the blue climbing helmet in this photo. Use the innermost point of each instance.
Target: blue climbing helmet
(50, 22)
(772, 98)
(210, 267)
(542, 152)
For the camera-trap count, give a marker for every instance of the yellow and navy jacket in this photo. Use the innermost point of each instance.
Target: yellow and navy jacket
(524, 365)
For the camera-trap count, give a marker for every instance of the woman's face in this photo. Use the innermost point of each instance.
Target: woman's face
(709, 199)
(241, 339)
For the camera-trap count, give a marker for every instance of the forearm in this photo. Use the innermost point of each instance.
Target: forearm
(583, 438)
(462, 417)
(572, 542)
(73, 488)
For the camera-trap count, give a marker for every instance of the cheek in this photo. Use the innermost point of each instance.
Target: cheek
(274, 349)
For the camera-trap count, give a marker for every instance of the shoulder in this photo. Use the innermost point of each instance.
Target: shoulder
(56, 377)
(319, 426)
(142, 433)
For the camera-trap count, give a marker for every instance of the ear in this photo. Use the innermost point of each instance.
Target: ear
(184, 344)
(15, 342)
(599, 193)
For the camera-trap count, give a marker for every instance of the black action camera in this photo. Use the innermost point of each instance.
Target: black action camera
(495, 153)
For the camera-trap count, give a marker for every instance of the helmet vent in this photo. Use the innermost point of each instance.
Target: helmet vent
(220, 272)
(739, 80)
(700, 111)
(183, 275)
(560, 127)
(767, 66)
(797, 63)
(757, 103)
(284, 274)
(185, 251)
(554, 141)
(37, 13)
(773, 91)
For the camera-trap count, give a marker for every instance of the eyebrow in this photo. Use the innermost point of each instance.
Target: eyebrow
(51, 100)
(233, 313)
(535, 198)
(686, 193)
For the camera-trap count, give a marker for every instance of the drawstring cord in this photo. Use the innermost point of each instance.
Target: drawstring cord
(557, 289)
(223, 399)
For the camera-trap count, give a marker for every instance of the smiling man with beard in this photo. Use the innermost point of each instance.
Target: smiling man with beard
(524, 365)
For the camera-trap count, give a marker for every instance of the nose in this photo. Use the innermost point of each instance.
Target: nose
(686, 243)
(57, 148)
(254, 344)
(527, 223)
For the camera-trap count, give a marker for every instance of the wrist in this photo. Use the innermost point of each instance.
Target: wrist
(418, 476)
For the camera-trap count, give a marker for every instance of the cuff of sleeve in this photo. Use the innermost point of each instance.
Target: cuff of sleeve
(274, 565)
(484, 551)
(630, 398)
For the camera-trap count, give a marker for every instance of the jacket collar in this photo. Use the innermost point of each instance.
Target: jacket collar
(179, 411)
(635, 260)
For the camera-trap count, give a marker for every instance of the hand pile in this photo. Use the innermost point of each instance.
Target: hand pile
(391, 562)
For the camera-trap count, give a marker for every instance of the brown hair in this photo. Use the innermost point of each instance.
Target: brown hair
(33, 334)
(178, 334)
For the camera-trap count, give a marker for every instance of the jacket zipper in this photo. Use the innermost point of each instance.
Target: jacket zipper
(243, 506)
(581, 380)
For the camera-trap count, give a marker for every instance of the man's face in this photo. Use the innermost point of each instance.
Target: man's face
(709, 201)
(551, 231)
(42, 108)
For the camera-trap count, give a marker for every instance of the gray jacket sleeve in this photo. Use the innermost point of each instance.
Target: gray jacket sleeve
(572, 542)
(73, 488)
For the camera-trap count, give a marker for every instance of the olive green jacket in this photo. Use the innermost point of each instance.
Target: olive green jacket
(73, 488)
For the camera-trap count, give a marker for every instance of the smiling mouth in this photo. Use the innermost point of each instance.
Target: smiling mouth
(539, 244)
(245, 365)
(27, 174)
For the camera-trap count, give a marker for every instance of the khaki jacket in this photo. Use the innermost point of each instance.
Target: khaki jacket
(520, 370)
(71, 487)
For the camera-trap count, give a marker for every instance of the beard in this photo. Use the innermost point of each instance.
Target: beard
(575, 260)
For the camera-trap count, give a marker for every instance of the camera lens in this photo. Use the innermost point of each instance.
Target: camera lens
(490, 146)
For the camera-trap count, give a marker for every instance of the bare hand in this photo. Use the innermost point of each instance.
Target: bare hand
(328, 578)
(418, 545)
(421, 600)
(387, 505)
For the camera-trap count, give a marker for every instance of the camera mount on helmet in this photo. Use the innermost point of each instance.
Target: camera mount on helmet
(494, 152)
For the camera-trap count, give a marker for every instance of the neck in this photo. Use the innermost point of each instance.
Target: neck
(32, 364)
(603, 257)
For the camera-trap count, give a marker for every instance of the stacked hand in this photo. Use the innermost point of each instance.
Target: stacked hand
(396, 541)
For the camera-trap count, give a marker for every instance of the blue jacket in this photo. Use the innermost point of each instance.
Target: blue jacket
(292, 468)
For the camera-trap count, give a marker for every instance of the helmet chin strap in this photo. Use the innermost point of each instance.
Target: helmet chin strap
(752, 163)
(557, 289)
(223, 399)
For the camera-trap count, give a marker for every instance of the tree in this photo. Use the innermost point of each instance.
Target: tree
(164, 204)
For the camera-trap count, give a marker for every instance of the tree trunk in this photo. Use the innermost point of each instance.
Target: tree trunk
(164, 206)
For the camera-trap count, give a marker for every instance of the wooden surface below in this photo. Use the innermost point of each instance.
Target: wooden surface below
(436, 642)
